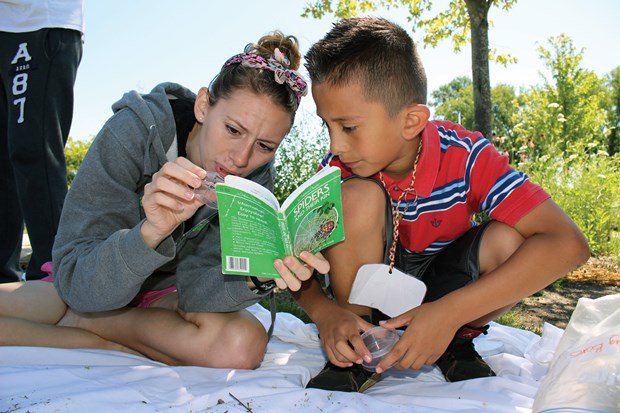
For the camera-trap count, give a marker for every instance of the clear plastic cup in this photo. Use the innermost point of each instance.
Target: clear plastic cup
(379, 342)
(205, 193)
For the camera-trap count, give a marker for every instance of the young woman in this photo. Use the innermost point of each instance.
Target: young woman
(137, 255)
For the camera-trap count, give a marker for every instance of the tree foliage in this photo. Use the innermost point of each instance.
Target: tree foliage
(454, 102)
(564, 131)
(504, 100)
(570, 111)
(462, 21)
(613, 84)
(451, 23)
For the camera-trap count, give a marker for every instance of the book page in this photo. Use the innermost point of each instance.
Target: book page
(311, 181)
(253, 188)
(249, 232)
(314, 214)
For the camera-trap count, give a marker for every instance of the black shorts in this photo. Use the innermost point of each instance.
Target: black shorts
(450, 269)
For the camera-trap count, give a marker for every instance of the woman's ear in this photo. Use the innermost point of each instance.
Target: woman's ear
(416, 118)
(201, 104)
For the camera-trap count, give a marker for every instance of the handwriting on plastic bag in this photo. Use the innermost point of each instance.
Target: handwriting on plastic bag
(603, 347)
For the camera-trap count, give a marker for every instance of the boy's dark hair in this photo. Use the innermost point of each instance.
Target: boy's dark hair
(376, 52)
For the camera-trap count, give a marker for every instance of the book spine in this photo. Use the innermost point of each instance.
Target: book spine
(286, 235)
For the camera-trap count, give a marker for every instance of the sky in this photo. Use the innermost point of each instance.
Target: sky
(137, 44)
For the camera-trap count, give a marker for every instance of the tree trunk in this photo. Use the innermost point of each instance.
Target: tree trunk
(478, 11)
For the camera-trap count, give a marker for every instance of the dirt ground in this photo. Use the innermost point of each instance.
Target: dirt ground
(597, 278)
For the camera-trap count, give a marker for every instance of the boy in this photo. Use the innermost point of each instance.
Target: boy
(370, 90)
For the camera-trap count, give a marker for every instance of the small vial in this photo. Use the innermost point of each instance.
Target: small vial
(205, 193)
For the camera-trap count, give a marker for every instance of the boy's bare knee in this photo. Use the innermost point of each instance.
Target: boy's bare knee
(499, 242)
(363, 204)
(362, 194)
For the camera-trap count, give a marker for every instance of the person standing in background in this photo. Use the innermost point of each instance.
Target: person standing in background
(40, 51)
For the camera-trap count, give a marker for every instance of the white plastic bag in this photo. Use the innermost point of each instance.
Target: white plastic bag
(584, 374)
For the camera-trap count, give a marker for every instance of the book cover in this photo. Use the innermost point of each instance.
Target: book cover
(255, 229)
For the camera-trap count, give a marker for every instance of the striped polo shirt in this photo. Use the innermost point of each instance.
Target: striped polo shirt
(459, 174)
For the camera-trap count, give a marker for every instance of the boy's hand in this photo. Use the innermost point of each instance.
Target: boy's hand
(340, 333)
(293, 272)
(169, 200)
(426, 338)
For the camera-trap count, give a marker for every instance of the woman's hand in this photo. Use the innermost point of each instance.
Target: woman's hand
(293, 272)
(169, 199)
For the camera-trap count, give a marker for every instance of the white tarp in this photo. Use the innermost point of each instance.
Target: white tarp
(56, 380)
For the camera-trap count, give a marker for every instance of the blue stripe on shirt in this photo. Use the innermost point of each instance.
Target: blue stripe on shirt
(455, 192)
(502, 188)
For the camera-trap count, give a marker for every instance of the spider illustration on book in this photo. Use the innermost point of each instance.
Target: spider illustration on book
(316, 227)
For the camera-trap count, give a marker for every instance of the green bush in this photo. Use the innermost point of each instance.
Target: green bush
(298, 158)
(74, 154)
(587, 186)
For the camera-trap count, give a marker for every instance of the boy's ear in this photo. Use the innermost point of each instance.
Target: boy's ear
(201, 104)
(416, 118)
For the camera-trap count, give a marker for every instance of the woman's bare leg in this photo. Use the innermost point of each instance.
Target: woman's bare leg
(28, 314)
(19, 332)
(226, 340)
(35, 301)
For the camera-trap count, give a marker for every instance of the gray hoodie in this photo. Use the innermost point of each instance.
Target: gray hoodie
(100, 260)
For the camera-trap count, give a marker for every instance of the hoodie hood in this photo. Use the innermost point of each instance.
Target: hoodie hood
(154, 112)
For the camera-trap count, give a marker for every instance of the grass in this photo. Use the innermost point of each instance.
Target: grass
(512, 319)
(286, 303)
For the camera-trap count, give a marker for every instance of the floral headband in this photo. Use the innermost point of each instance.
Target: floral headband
(278, 63)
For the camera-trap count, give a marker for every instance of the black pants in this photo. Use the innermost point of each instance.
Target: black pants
(37, 75)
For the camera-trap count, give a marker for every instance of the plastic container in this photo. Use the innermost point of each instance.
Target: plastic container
(379, 342)
(205, 193)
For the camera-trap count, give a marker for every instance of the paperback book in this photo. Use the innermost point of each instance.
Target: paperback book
(255, 229)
